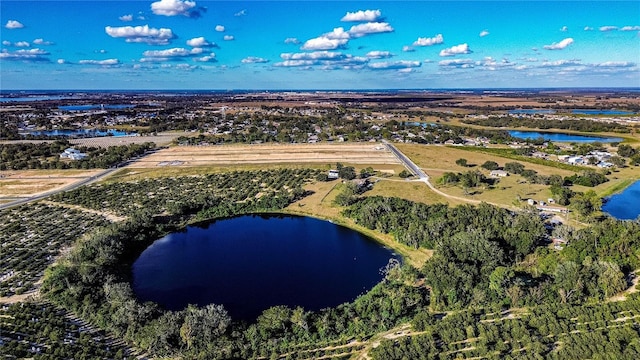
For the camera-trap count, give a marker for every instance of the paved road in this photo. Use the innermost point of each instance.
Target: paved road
(75, 185)
(406, 161)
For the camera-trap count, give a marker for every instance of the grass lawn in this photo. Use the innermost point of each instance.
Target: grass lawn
(320, 205)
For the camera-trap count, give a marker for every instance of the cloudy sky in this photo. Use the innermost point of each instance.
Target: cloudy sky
(182, 44)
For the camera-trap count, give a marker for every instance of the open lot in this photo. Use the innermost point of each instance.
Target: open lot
(27, 183)
(189, 156)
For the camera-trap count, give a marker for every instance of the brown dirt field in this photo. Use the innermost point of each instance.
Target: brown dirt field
(189, 156)
(26, 183)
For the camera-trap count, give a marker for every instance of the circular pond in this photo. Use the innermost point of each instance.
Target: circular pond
(250, 263)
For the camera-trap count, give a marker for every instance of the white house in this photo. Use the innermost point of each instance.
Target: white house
(73, 154)
(498, 173)
(333, 174)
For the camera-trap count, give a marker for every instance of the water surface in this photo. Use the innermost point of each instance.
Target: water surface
(625, 205)
(251, 263)
(561, 137)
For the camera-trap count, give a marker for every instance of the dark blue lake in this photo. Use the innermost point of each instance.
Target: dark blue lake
(574, 111)
(80, 133)
(95, 107)
(560, 137)
(625, 205)
(254, 262)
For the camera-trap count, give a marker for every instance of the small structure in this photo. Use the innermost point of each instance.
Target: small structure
(498, 173)
(73, 154)
(531, 202)
(333, 174)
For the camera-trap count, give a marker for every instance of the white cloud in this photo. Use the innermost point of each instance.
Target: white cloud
(106, 62)
(588, 28)
(173, 7)
(61, 61)
(630, 28)
(616, 64)
(228, 38)
(199, 42)
(141, 34)
(254, 60)
(564, 28)
(362, 15)
(242, 12)
(291, 40)
(483, 33)
(408, 48)
(295, 63)
(6, 43)
(360, 30)
(219, 28)
(41, 41)
(379, 54)
(328, 41)
(461, 63)
(456, 50)
(207, 58)
(34, 54)
(316, 55)
(560, 63)
(426, 41)
(608, 28)
(128, 17)
(14, 24)
(560, 45)
(22, 44)
(329, 60)
(172, 53)
(102, 51)
(394, 65)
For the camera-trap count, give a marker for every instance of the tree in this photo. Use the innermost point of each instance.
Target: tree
(462, 162)
(514, 167)
(626, 150)
(404, 174)
(490, 165)
(347, 172)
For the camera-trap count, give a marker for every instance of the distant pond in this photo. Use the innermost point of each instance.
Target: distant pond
(250, 263)
(561, 137)
(79, 133)
(572, 111)
(625, 205)
(95, 107)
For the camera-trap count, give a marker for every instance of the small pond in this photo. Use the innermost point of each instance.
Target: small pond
(250, 263)
(572, 111)
(625, 205)
(95, 107)
(561, 137)
(79, 133)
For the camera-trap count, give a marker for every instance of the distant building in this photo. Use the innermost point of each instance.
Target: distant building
(73, 154)
(498, 173)
(531, 202)
(333, 174)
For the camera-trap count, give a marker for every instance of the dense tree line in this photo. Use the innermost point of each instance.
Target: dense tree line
(47, 155)
(543, 123)
(480, 253)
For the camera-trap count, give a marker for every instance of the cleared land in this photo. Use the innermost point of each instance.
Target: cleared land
(27, 183)
(189, 156)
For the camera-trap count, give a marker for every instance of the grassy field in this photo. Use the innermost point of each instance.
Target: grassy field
(184, 156)
(25, 183)
(321, 205)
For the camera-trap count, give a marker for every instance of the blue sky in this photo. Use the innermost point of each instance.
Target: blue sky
(182, 44)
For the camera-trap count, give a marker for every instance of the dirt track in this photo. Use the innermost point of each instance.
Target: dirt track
(366, 153)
